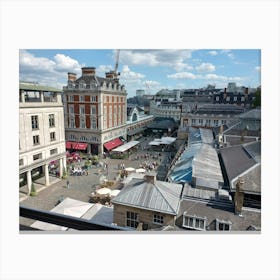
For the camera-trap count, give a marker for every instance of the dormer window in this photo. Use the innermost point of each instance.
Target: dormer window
(194, 222)
(223, 225)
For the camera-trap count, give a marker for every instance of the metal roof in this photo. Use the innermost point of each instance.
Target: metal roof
(158, 196)
(37, 87)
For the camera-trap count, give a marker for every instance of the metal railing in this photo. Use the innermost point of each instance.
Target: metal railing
(65, 220)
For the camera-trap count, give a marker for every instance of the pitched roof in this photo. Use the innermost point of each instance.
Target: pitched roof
(213, 212)
(158, 196)
(239, 162)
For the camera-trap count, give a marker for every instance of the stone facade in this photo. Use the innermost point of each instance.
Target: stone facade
(41, 132)
(144, 216)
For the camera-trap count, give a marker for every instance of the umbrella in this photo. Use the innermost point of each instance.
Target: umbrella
(103, 191)
(130, 169)
(115, 193)
(140, 170)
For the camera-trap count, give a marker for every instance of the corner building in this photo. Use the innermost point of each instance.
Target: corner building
(41, 133)
(94, 111)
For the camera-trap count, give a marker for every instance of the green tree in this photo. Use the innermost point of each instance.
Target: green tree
(257, 101)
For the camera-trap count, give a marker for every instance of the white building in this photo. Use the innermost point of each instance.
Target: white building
(41, 132)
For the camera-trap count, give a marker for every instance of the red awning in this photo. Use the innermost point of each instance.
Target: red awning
(70, 145)
(81, 146)
(76, 145)
(113, 144)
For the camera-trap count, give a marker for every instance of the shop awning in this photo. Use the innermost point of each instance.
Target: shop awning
(81, 146)
(113, 144)
(70, 145)
(76, 145)
(126, 146)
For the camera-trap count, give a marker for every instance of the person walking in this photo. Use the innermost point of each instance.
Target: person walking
(68, 184)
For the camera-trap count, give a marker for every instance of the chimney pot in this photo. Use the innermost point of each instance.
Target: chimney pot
(72, 77)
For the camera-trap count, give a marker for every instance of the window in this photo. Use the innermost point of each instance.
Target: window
(72, 123)
(200, 121)
(82, 98)
(71, 109)
(217, 98)
(20, 162)
(93, 98)
(82, 123)
(71, 98)
(242, 98)
(194, 222)
(53, 151)
(37, 156)
(36, 140)
(82, 110)
(158, 219)
(93, 123)
(235, 98)
(34, 122)
(216, 122)
(52, 136)
(132, 219)
(208, 122)
(193, 121)
(51, 120)
(224, 121)
(93, 110)
(223, 225)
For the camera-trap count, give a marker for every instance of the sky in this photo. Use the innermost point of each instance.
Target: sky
(151, 70)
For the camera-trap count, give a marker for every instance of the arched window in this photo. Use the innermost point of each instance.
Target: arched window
(134, 117)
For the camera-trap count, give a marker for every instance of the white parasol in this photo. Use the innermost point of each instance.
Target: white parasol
(130, 169)
(103, 191)
(140, 170)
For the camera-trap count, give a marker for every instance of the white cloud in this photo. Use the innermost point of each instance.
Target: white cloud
(182, 75)
(258, 68)
(52, 72)
(222, 78)
(151, 83)
(205, 67)
(66, 63)
(126, 73)
(213, 53)
(175, 59)
(102, 69)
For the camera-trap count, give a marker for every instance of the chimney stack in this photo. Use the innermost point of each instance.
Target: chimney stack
(225, 93)
(239, 196)
(150, 178)
(88, 71)
(72, 77)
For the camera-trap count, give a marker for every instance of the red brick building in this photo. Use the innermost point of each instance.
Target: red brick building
(95, 111)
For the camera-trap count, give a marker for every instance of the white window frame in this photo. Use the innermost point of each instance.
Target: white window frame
(93, 98)
(93, 123)
(193, 121)
(71, 98)
(93, 110)
(72, 123)
(82, 98)
(52, 138)
(223, 223)
(82, 123)
(190, 221)
(71, 109)
(82, 110)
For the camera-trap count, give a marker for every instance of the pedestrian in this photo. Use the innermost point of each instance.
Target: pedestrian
(68, 184)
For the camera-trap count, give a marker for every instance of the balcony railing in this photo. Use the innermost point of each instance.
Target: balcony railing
(65, 220)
